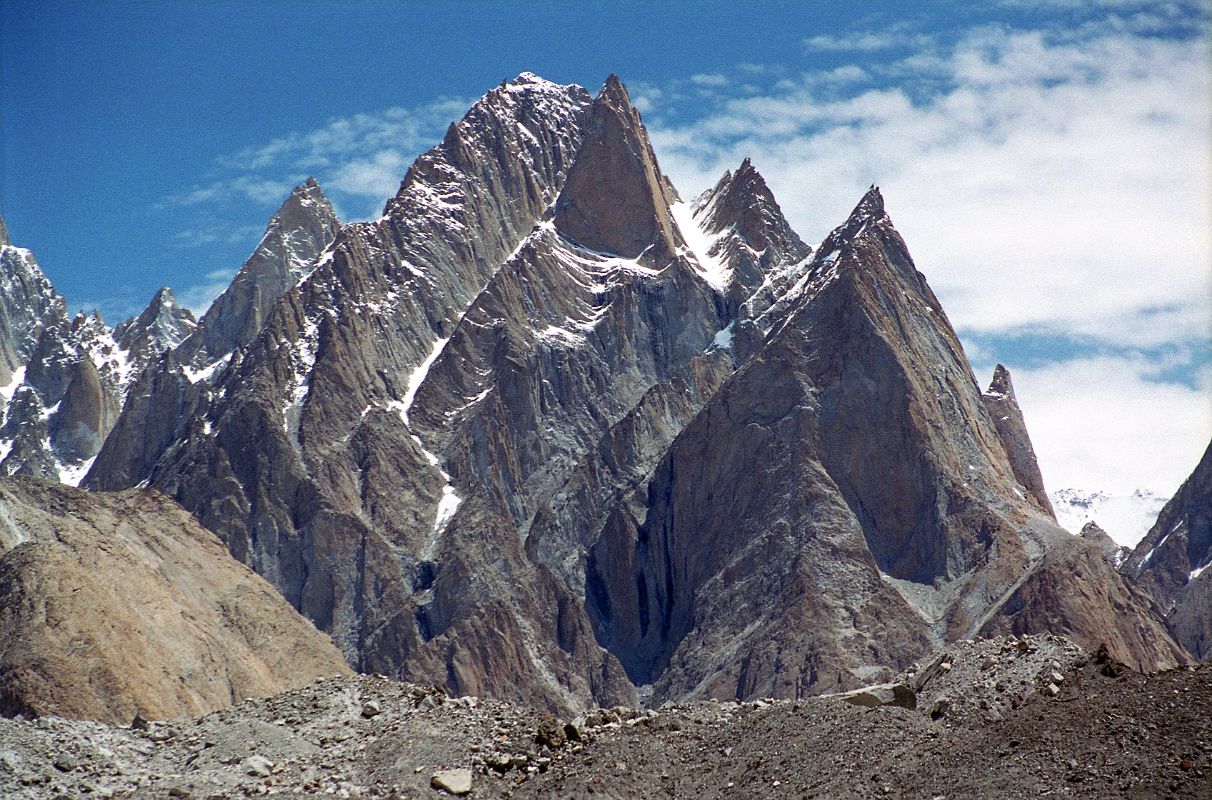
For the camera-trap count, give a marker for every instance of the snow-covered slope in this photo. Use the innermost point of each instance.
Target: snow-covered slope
(1126, 517)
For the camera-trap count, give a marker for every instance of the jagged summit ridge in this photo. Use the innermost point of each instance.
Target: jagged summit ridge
(542, 431)
(163, 325)
(746, 237)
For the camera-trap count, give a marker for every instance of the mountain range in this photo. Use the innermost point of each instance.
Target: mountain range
(547, 431)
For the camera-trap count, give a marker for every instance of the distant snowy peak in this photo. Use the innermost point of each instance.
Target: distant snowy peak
(28, 301)
(163, 325)
(294, 238)
(1126, 517)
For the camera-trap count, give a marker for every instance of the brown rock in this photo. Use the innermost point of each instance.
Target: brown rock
(616, 200)
(1173, 563)
(1012, 430)
(119, 606)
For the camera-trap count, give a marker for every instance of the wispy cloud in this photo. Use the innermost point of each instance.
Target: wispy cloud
(359, 159)
(403, 131)
(1054, 186)
(200, 237)
(251, 187)
(901, 36)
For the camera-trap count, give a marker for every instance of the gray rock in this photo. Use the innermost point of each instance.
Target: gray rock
(885, 694)
(1173, 562)
(452, 781)
(258, 766)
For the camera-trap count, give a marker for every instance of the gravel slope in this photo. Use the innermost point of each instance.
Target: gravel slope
(1008, 728)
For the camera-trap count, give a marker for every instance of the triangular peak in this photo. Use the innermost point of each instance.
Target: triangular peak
(1001, 385)
(741, 200)
(615, 199)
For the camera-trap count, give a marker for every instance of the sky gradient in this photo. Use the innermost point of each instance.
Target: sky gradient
(1047, 162)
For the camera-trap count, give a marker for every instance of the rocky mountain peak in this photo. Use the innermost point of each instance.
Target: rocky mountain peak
(1007, 418)
(4, 240)
(305, 206)
(1001, 384)
(1098, 537)
(615, 199)
(296, 234)
(742, 201)
(871, 206)
(162, 325)
(1174, 561)
(867, 215)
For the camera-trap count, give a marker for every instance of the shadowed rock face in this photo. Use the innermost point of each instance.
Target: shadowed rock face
(1012, 429)
(116, 605)
(86, 414)
(841, 503)
(1172, 562)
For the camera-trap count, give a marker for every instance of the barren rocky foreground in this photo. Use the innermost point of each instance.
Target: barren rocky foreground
(1000, 718)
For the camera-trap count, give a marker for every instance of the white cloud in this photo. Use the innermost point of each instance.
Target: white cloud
(355, 137)
(376, 176)
(1052, 186)
(1109, 423)
(215, 233)
(898, 36)
(362, 155)
(252, 187)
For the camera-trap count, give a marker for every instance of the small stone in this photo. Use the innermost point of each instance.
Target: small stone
(371, 709)
(452, 781)
(258, 766)
(550, 732)
(1052, 689)
(1056, 677)
(178, 791)
(65, 762)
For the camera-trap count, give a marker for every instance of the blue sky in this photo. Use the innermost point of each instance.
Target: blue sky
(1047, 162)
